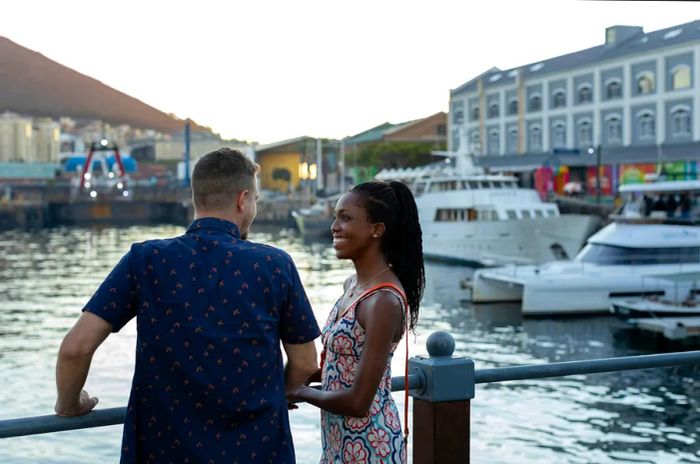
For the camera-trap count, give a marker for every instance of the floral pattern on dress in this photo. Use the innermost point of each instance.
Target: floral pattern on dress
(376, 437)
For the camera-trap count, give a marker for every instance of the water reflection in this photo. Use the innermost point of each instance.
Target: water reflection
(635, 416)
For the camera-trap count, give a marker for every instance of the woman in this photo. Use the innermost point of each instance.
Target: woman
(376, 226)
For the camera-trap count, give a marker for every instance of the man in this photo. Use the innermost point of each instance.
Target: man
(211, 309)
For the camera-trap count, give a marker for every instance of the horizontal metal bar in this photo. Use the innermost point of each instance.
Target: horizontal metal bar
(111, 416)
(592, 366)
(47, 424)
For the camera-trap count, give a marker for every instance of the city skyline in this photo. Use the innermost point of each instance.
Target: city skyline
(273, 71)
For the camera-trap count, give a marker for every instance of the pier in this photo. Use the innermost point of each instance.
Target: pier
(441, 385)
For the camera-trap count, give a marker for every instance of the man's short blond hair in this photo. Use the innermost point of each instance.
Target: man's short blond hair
(219, 175)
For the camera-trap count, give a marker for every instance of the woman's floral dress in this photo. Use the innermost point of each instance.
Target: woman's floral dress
(375, 438)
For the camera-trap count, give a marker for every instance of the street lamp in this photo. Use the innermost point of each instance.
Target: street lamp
(596, 151)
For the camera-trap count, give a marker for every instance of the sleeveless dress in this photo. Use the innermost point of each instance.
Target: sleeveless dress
(377, 437)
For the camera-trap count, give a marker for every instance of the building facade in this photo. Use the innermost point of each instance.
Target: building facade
(636, 96)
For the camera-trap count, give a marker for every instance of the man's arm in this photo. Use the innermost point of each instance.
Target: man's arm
(301, 363)
(73, 364)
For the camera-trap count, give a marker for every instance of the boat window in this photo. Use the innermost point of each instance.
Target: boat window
(484, 184)
(497, 184)
(525, 213)
(420, 188)
(511, 214)
(488, 215)
(551, 213)
(616, 255)
(473, 184)
(539, 213)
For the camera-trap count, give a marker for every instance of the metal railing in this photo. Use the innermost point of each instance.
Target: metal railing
(441, 385)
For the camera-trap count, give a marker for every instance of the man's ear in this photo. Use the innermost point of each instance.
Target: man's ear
(241, 200)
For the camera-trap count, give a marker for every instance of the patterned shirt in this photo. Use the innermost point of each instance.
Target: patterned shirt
(211, 310)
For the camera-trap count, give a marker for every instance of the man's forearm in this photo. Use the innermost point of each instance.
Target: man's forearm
(71, 373)
(293, 377)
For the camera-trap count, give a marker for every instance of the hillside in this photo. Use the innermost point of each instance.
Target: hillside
(34, 85)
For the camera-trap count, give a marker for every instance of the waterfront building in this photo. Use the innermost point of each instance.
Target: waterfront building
(636, 97)
(388, 145)
(302, 163)
(15, 137)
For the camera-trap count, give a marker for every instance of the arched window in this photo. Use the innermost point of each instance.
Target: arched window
(614, 89)
(680, 77)
(513, 107)
(475, 142)
(494, 142)
(647, 125)
(493, 110)
(585, 132)
(585, 94)
(535, 138)
(559, 136)
(475, 113)
(513, 140)
(680, 121)
(559, 99)
(614, 128)
(535, 103)
(645, 83)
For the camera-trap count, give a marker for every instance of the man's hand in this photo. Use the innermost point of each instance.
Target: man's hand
(84, 405)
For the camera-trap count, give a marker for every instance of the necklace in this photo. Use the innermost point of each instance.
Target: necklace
(369, 281)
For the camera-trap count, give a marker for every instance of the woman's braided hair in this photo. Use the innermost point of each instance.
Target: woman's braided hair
(392, 203)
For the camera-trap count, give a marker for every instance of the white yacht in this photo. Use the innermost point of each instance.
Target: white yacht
(486, 220)
(623, 260)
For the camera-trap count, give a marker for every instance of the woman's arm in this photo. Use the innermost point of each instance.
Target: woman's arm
(380, 316)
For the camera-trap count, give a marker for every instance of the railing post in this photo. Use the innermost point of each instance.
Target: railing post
(441, 407)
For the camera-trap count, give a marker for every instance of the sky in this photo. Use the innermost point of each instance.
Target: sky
(267, 71)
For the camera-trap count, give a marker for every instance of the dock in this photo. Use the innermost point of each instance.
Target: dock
(671, 328)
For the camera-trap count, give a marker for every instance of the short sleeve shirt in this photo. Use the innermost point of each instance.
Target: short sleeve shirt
(211, 310)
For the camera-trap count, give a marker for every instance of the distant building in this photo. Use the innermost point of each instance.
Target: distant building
(311, 163)
(636, 96)
(15, 137)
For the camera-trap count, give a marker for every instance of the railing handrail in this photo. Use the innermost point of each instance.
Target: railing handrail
(114, 416)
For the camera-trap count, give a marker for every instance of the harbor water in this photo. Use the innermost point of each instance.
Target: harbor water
(649, 416)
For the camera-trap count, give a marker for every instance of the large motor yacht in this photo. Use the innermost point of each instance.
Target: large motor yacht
(479, 219)
(622, 260)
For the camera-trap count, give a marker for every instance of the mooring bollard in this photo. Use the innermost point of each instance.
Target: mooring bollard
(441, 407)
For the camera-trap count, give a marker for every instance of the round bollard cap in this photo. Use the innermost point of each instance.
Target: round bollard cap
(440, 344)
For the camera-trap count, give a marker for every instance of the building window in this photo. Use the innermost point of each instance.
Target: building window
(513, 107)
(535, 103)
(513, 140)
(585, 133)
(493, 110)
(494, 142)
(559, 99)
(680, 77)
(475, 113)
(455, 140)
(614, 126)
(559, 136)
(475, 142)
(441, 129)
(645, 83)
(585, 94)
(614, 90)
(647, 129)
(535, 138)
(680, 122)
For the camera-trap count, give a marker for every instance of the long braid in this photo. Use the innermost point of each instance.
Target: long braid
(392, 203)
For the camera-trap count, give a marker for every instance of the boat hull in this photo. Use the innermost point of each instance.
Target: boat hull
(572, 287)
(488, 243)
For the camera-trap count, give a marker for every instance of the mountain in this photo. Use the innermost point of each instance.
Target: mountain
(32, 84)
